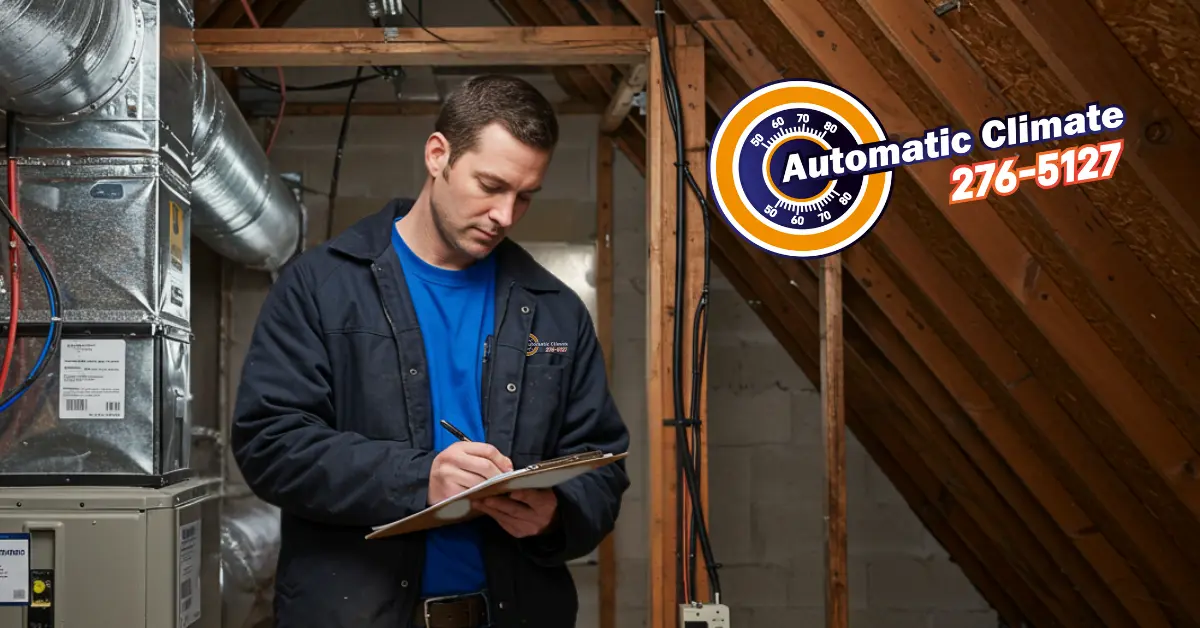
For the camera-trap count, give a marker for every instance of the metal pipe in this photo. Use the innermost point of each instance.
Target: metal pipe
(250, 542)
(240, 206)
(65, 58)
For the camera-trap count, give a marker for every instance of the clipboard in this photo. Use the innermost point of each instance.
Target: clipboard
(457, 509)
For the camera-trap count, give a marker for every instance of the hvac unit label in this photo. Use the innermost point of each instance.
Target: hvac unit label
(92, 379)
(189, 573)
(14, 569)
(175, 272)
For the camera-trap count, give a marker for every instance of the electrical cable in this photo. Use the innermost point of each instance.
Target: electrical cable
(689, 469)
(337, 159)
(14, 253)
(270, 85)
(50, 348)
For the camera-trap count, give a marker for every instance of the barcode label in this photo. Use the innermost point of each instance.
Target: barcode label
(20, 595)
(190, 588)
(92, 379)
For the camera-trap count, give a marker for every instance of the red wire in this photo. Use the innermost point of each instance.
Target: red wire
(282, 87)
(15, 280)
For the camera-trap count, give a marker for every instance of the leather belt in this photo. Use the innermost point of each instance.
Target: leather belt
(458, 611)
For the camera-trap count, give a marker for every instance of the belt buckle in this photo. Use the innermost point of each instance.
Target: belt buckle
(447, 598)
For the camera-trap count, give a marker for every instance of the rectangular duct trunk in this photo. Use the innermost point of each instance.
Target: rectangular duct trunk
(107, 198)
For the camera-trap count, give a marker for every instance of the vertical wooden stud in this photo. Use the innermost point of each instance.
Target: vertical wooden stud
(687, 61)
(604, 309)
(833, 424)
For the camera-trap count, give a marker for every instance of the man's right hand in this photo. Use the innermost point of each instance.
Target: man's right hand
(463, 465)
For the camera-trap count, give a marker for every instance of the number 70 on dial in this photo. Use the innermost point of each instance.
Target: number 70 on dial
(1067, 166)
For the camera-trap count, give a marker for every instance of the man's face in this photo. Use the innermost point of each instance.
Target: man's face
(477, 200)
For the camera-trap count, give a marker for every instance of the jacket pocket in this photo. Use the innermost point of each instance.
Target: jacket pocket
(369, 392)
(539, 416)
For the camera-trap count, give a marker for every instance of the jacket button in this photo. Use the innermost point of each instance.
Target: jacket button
(404, 583)
(524, 309)
(412, 371)
(511, 387)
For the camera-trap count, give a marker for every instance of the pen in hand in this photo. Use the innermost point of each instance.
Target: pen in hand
(454, 430)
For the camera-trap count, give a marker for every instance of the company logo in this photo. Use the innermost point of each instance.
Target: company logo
(796, 167)
(549, 347)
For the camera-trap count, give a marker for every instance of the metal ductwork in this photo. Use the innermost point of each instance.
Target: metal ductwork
(127, 146)
(62, 58)
(240, 206)
(73, 61)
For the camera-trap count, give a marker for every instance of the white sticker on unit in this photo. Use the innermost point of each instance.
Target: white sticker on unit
(92, 379)
(14, 569)
(189, 574)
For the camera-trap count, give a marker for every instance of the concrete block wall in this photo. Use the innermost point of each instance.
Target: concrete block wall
(765, 448)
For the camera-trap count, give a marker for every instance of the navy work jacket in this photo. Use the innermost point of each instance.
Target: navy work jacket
(333, 424)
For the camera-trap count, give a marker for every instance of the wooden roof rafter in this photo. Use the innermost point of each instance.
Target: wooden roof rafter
(1131, 521)
(231, 13)
(1061, 464)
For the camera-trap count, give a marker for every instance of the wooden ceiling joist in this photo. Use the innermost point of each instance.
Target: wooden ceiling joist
(370, 109)
(622, 99)
(326, 47)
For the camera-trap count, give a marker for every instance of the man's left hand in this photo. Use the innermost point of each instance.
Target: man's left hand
(522, 513)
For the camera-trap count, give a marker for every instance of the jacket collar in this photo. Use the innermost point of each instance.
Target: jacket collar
(370, 237)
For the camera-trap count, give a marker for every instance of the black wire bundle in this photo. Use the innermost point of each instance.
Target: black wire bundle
(688, 467)
(337, 158)
(332, 85)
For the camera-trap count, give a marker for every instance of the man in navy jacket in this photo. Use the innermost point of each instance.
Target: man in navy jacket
(420, 313)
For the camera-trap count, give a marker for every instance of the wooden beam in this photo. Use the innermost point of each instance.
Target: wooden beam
(1067, 331)
(1032, 449)
(776, 297)
(604, 305)
(1116, 274)
(750, 64)
(1160, 145)
(327, 47)
(204, 9)
(415, 108)
(282, 13)
(833, 428)
(687, 59)
(622, 99)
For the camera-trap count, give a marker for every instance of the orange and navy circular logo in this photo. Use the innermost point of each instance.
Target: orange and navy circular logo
(790, 168)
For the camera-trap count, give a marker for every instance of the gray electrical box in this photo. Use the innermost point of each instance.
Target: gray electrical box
(117, 557)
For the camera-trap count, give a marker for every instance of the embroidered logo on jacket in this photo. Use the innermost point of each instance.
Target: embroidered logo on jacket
(549, 347)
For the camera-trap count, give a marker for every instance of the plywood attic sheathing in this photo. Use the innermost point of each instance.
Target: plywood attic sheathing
(1026, 370)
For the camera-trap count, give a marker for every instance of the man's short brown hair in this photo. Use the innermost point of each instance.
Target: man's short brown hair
(513, 103)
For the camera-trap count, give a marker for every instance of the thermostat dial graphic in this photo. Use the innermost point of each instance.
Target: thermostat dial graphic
(794, 202)
(753, 172)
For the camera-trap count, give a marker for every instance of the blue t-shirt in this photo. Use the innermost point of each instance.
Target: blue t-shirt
(456, 311)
